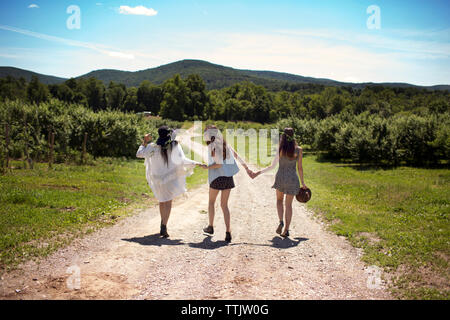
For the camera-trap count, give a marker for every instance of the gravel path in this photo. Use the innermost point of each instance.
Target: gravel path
(130, 261)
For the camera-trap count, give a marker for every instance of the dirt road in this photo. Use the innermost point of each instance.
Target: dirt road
(130, 261)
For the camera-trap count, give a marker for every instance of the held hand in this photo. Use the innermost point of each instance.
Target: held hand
(203, 166)
(256, 174)
(251, 174)
(304, 187)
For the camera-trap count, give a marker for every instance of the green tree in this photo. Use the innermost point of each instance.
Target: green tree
(62, 92)
(149, 97)
(316, 107)
(37, 92)
(199, 99)
(176, 99)
(131, 101)
(95, 94)
(115, 95)
(11, 88)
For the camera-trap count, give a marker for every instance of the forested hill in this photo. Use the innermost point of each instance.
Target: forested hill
(215, 76)
(218, 77)
(27, 75)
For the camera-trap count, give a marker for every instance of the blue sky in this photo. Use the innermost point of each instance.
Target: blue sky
(324, 39)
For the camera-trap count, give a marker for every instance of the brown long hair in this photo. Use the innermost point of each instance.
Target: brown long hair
(213, 138)
(288, 145)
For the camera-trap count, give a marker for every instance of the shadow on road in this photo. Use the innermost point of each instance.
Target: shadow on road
(280, 243)
(155, 240)
(286, 243)
(208, 244)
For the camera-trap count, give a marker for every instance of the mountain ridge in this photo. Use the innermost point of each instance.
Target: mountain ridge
(215, 76)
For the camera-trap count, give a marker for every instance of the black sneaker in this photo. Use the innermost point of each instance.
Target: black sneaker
(209, 230)
(228, 237)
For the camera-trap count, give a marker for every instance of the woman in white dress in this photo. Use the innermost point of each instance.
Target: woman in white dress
(166, 170)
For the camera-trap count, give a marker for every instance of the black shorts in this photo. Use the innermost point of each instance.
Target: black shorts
(223, 183)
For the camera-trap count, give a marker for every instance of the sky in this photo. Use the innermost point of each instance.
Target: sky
(344, 40)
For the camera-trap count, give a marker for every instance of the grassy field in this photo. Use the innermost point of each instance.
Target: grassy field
(398, 216)
(42, 210)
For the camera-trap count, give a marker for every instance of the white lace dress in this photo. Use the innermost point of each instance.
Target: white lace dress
(167, 180)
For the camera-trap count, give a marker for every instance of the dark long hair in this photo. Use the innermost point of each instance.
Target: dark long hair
(213, 138)
(288, 143)
(165, 142)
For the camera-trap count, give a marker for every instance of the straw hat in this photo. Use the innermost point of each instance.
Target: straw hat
(304, 195)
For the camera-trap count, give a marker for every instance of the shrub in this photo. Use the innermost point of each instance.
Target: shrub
(110, 133)
(404, 138)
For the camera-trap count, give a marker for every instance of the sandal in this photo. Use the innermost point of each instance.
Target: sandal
(228, 237)
(285, 234)
(280, 228)
(209, 230)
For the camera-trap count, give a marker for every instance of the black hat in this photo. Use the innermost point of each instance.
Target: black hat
(165, 136)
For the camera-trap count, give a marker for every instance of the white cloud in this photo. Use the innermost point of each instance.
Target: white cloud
(413, 44)
(310, 55)
(139, 10)
(96, 47)
(33, 6)
(122, 55)
(328, 54)
(8, 56)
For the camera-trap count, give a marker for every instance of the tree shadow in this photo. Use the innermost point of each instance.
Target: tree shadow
(208, 244)
(375, 166)
(155, 240)
(367, 167)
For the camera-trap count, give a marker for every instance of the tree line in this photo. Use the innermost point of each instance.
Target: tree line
(26, 130)
(374, 124)
(187, 99)
(370, 138)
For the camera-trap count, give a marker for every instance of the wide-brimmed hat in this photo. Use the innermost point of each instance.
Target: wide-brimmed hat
(165, 137)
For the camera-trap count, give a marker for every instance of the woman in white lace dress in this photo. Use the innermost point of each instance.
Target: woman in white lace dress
(166, 170)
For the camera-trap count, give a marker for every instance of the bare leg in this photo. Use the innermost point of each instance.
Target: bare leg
(211, 207)
(162, 211)
(280, 208)
(226, 212)
(289, 200)
(165, 208)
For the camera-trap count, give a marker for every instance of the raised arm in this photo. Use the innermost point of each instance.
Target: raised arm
(144, 149)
